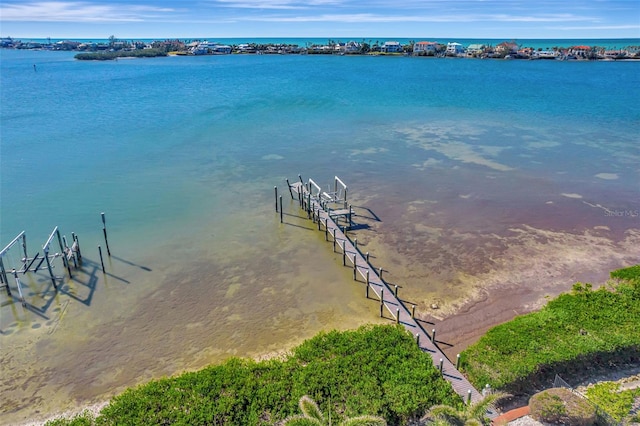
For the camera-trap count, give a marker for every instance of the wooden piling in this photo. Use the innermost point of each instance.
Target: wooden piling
(290, 191)
(334, 239)
(104, 230)
(441, 369)
(275, 189)
(397, 315)
(22, 299)
(395, 289)
(469, 397)
(380, 273)
(101, 259)
(77, 242)
(64, 257)
(24, 246)
(418, 339)
(326, 230)
(413, 311)
(433, 335)
(281, 213)
(46, 256)
(367, 291)
(458, 362)
(4, 277)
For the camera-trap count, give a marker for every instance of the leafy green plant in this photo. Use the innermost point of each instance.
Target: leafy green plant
(312, 416)
(376, 369)
(577, 331)
(609, 397)
(465, 415)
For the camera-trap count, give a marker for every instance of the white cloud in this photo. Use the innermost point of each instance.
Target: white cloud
(377, 18)
(77, 12)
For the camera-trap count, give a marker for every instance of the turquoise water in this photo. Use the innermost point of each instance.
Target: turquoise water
(482, 173)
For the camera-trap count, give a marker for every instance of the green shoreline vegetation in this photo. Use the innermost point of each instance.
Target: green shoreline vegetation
(380, 371)
(581, 331)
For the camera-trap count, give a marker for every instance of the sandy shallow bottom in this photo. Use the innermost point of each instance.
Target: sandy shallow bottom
(152, 316)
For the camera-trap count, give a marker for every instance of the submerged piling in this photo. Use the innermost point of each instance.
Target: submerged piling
(104, 231)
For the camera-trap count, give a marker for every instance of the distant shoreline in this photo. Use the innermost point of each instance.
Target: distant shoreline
(114, 48)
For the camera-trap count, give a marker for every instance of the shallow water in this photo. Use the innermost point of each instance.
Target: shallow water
(466, 175)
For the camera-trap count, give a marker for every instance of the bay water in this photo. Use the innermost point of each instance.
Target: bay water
(466, 176)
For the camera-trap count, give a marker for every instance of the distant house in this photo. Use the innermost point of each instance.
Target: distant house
(352, 47)
(507, 48)
(425, 48)
(220, 49)
(454, 49)
(6, 42)
(580, 50)
(475, 49)
(391, 47)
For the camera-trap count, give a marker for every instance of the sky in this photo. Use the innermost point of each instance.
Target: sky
(159, 19)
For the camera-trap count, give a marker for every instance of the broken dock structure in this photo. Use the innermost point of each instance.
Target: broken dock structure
(333, 214)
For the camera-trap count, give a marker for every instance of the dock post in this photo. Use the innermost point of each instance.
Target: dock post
(4, 277)
(397, 315)
(101, 259)
(441, 369)
(104, 231)
(309, 205)
(413, 311)
(367, 256)
(381, 310)
(24, 246)
(382, 296)
(350, 216)
(275, 189)
(367, 291)
(344, 255)
(355, 269)
(290, 191)
(77, 242)
(46, 257)
(367, 277)
(396, 289)
(433, 335)
(458, 362)
(418, 339)
(334, 239)
(64, 256)
(326, 229)
(319, 221)
(469, 397)
(22, 299)
(380, 273)
(355, 243)
(70, 251)
(281, 220)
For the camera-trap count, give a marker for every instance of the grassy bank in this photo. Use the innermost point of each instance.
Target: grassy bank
(375, 370)
(574, 335)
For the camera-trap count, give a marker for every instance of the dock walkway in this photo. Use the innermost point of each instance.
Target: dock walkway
(317, 208)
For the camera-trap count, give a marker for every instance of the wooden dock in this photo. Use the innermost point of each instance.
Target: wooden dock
(391, 307)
